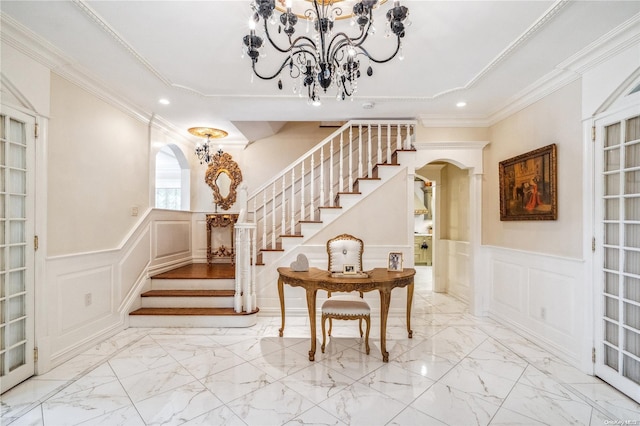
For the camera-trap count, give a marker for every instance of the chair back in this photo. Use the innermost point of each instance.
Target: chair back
(343, 250)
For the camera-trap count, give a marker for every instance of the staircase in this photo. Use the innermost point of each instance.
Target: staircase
(196, 295)
(279, 217)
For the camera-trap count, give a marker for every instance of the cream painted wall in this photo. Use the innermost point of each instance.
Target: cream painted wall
(454, 204)
(439, 134)
(98, 170)
(554, 119)
(265, 158)
(30, 78)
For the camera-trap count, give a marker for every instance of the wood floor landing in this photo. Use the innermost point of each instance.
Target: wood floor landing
(200, 270)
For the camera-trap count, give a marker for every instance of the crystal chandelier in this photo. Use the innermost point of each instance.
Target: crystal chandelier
(204, 151)
(327, 59)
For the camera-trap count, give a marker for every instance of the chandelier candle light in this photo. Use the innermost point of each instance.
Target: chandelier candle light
(204, 152)
(328, 58)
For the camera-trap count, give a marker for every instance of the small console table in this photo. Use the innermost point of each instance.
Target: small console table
(377, 279)
(220, 220)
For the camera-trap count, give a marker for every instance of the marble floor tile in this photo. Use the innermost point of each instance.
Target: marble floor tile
(273, 404)
(315, 416)
(549, 408)
(178, 405)
(361, 405)
(317, 382)
(87, 404)
(456, 407)
(158, 380)
(457, 370)
(222, 416)
(237, 381)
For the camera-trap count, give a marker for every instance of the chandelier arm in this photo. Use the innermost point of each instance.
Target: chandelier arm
(342, 39)
(285, 62)
(381, 61)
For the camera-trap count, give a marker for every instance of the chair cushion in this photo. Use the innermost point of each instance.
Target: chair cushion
(344, 252)
(346, 305)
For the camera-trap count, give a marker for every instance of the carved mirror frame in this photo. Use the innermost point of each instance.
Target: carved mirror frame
(223, 163)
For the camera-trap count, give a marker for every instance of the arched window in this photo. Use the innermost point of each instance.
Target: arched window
(172, 179)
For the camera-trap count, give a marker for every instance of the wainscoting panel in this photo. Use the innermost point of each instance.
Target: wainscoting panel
(173, 238)
(92, 293)
(541, 296)
(85, 296)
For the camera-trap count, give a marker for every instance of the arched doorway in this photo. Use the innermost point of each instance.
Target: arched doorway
(456, 257)
(171, 179)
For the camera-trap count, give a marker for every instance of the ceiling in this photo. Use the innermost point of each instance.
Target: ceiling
(486, 53)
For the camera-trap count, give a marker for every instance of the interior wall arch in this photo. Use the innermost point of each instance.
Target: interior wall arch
(467, 254)
(172, 187)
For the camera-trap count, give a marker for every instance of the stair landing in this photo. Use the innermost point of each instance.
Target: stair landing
(195, 295)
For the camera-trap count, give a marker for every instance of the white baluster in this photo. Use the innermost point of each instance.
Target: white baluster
(237, 295)
(252, 279)
(331, 174)
(322, 166)
(255, 212)
(302, 191)
(312, 184)
(359, 150)
(283, 206)
(399, 140)
(388, 144)
(408, 142)
(350, 187)
(264, 219)
(273, 216)
(379, 157)
(293, 200)
(340, 188)
(369, 164)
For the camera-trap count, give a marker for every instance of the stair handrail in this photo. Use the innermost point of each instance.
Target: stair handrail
(326, 140)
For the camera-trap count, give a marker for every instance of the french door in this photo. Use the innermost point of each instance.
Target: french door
(17, 182)
(617, 218)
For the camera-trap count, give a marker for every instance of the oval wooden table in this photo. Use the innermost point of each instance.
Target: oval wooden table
(378, 279)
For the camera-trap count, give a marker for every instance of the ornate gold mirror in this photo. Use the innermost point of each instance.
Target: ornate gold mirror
(223, 176)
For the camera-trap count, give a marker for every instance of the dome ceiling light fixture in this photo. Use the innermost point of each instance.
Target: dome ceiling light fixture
(204, 152)
(328, 58)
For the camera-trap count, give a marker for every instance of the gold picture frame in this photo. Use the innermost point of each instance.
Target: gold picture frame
(528, 186)
(395, 261)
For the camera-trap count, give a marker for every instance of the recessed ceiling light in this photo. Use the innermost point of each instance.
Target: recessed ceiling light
(164, 101)
(461, 104)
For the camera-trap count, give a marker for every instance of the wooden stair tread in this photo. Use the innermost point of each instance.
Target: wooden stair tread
(292, 235)
(199, 271)
(190, 311)
(188, 293)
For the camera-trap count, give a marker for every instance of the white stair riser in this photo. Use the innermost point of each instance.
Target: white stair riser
(187, 302)
(386, 172)
(310, 228)
(189, 284)
(290, 242)
(349, 200)
(328, 215)
(366, 187)
(193, 321)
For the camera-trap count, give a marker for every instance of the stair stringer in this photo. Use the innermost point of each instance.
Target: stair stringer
(313, 245)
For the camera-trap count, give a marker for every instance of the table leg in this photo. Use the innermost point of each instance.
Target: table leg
(281, 294)
(409, 303)
(311, 305)
(385, 298)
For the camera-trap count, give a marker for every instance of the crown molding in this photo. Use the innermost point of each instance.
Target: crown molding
(442, 120)
(40, 50)
(465, 145)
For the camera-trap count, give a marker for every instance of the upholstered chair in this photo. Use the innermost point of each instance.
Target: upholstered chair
(343, 250)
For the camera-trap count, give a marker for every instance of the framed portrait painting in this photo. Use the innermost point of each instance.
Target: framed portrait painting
(528, 187)
(395, 262)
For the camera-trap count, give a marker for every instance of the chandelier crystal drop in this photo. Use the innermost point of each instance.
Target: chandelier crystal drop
(329, 58)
